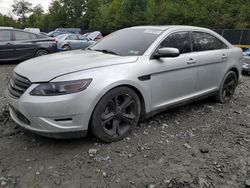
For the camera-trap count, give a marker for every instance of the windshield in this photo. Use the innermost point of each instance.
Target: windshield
(128, 42)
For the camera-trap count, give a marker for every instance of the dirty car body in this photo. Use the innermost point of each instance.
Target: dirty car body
(60, 93)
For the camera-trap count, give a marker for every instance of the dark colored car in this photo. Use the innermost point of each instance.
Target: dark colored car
(21, 45)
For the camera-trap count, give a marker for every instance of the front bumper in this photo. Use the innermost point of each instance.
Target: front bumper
(54, 116)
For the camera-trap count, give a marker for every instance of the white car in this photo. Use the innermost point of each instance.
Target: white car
(130, 74)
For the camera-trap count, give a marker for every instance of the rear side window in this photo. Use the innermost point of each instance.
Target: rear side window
(5, 35)
(180, 40)
(72, 37)
(22, 35)
(33, 36)
(204, 41)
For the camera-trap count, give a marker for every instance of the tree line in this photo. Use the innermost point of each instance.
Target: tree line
(116, 14)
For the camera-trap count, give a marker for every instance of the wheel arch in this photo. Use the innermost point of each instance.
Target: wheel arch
(137, 90)
(41, 48)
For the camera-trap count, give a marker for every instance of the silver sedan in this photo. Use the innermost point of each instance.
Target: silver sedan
(130, 74)
(67, 42)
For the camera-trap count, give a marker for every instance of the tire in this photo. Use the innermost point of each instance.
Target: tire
(41, 52)
(116, 114)
(66, 47)
(227, 88)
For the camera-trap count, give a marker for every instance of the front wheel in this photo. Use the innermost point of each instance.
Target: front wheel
(116, 114)
(227, 87)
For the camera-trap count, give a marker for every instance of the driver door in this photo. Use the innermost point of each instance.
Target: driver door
(174, 78)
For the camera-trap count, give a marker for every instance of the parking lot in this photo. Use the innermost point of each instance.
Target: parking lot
(204, 144)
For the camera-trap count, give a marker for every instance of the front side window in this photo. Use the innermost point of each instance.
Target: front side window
(5, 35)
(180, 40)
(204, 41)
(22, 35)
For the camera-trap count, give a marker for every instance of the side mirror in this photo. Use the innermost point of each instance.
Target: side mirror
(166, 52)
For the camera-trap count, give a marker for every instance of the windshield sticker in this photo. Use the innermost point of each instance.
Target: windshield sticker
(133, 52)
(153, 31)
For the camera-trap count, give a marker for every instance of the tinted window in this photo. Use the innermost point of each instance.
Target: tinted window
(180, 40)
(22, 35)
(205, 41)
(72, 37)
(5, 35)
(33, 36)
(128, 42)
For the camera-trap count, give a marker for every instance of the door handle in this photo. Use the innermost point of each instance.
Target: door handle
(191, 61)
(224, 56)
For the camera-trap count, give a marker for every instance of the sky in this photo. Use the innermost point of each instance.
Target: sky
(5, 5)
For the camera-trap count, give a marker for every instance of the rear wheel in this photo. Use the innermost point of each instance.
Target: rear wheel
(41, 52)
(66, 47)
(116, 114)
(227, 88)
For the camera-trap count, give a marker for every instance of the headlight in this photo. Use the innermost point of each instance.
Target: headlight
(60, 88)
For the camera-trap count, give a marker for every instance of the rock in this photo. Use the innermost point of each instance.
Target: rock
(3, 183)
(37, 173)
(167, 181)
(187, 146)
(247, 183)
(102, 158)
(92, 152)
(204, 150)
(104, 174)
(150, 186)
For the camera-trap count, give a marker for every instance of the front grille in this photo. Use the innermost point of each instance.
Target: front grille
(18, 85)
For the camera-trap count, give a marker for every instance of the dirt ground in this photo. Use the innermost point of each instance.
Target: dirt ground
(203, 144)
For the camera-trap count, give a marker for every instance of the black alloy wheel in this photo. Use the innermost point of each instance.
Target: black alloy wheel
(228, 87)
(116, 114)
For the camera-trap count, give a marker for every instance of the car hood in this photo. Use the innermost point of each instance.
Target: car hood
(45, 68)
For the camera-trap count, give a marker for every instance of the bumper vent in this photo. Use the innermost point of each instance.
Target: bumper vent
(18, 85)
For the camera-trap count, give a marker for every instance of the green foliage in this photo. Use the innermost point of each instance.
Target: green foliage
(116, 14)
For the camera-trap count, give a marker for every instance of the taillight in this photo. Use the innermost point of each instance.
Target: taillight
(54, 40)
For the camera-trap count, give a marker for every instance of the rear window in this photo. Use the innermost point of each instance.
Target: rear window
(5, 35)
(22, 35)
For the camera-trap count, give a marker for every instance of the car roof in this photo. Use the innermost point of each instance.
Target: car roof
(166, 27)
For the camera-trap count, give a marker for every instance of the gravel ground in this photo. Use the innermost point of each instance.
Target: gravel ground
(203, 144)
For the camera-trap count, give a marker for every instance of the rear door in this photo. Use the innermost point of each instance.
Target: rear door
(84, 42)
(24, 44)
(212, 56)
(6, 45)
(73, 41)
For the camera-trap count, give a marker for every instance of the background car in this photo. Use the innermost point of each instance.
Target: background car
(246, 61)
(21, 45)
(70, 30)
(55, 33)
(95, 36)
(72, 42)
(33, 30)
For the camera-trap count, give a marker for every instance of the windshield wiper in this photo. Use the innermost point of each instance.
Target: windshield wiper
(106, 51)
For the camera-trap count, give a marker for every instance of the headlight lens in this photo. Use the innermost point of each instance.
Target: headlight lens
(60, 88)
